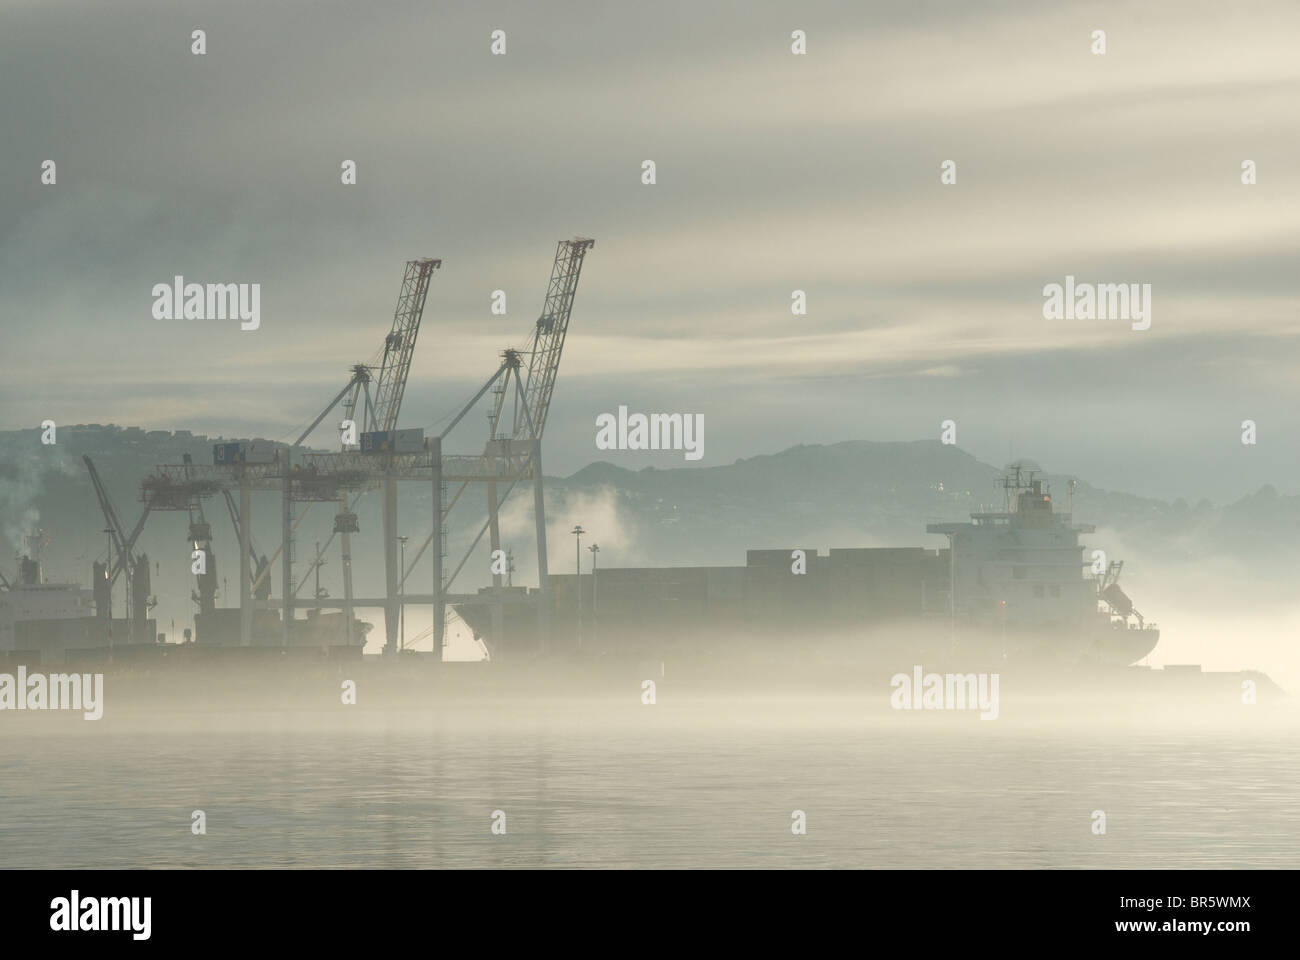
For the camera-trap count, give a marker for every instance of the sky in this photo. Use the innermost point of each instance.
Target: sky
(775, 172)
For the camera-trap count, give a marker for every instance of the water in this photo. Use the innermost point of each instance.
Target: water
(657, 787)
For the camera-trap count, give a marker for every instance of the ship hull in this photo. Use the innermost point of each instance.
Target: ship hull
(728, 637)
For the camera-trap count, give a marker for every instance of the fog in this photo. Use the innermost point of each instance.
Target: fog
(748, 778)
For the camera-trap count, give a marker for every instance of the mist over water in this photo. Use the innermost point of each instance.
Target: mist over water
(690, 781)
(1216, 610)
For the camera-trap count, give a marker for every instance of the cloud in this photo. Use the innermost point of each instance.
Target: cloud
(775, 173)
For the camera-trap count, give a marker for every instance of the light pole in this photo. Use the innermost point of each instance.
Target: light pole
(577, 534)
(952, 589)
(595, 549)
(108, 575)
(401, 593)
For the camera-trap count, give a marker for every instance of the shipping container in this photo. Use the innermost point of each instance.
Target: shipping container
(393, 441)
(252, 452)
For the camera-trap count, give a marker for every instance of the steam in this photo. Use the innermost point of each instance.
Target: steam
(597, 511)
(20, 484)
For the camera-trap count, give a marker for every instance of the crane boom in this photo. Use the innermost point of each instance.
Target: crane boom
(548, 336)
(399, 345)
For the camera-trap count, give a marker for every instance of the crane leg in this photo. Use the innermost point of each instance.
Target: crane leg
(494, 533)
(245, 568)
(543, 577)
(347, 575)
(286, 556)
(439, 601)
(391, 612)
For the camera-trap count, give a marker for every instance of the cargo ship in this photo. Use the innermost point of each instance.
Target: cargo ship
(1012, 586)
(44, 622)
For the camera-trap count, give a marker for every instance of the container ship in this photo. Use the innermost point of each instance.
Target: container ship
(1013, 585)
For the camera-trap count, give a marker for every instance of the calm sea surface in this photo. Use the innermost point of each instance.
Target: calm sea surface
(649, 787)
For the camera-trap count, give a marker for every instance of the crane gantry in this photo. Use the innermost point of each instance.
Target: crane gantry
(386, 455)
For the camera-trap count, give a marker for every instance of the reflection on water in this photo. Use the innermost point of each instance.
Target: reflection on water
(655, 787)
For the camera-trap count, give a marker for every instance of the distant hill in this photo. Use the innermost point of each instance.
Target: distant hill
(864, 493)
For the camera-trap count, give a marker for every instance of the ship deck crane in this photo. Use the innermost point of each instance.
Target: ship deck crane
(124, 543)
(1110, 593)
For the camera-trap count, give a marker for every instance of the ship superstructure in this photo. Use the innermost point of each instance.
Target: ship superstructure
(1020, 580)
(42, 620)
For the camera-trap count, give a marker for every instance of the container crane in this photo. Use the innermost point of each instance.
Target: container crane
(388, 372)
(532, 404)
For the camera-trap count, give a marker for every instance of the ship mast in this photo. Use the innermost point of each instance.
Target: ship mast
(1013, 481)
